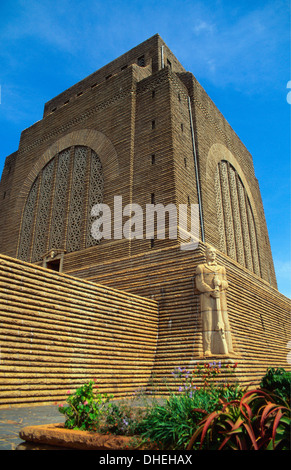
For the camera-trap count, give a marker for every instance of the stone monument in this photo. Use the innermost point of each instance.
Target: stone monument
(140, 130)
(212, 284)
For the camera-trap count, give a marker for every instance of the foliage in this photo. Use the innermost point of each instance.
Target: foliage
(84, 408)
(277, 381)
(120, 418)
(255, 422)
(171, 425)
(208, 409)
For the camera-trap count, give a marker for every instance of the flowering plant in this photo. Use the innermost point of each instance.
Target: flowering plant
(205, 375)
(123, 419)
(173, 423)
(84, 407)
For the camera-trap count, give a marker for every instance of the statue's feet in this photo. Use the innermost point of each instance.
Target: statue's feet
(207, 353)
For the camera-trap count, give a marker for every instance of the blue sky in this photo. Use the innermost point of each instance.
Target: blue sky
(238, 50)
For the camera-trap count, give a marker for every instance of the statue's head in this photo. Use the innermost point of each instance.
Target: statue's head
(210, 253)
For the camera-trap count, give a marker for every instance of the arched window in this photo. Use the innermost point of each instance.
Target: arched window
(57, 214)
(236, 223)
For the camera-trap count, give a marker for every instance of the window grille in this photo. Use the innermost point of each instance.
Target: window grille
(236, 223)
(57, 213)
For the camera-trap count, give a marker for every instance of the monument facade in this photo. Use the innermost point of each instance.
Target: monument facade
(140, 131)
(141, 128)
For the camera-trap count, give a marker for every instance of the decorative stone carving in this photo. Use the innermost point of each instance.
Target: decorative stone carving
(212, 284)
(43, 212)
(57, 213)
(237, 229)
(57, 232)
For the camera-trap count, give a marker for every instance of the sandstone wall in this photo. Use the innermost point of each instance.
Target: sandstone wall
(57, 332)
(259, 314)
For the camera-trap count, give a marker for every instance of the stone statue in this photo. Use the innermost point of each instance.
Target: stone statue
(212, 283)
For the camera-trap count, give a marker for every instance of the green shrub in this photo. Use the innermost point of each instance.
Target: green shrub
(84, 408)
(278, 382)
(172, 424)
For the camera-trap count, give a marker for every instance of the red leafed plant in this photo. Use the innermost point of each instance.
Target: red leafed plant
(258, 421)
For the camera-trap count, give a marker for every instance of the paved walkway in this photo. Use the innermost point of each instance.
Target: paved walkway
(14, 419)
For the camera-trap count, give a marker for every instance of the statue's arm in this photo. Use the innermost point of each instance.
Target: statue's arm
(200, 283)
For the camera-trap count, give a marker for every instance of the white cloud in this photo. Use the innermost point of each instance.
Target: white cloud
(201, 26)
